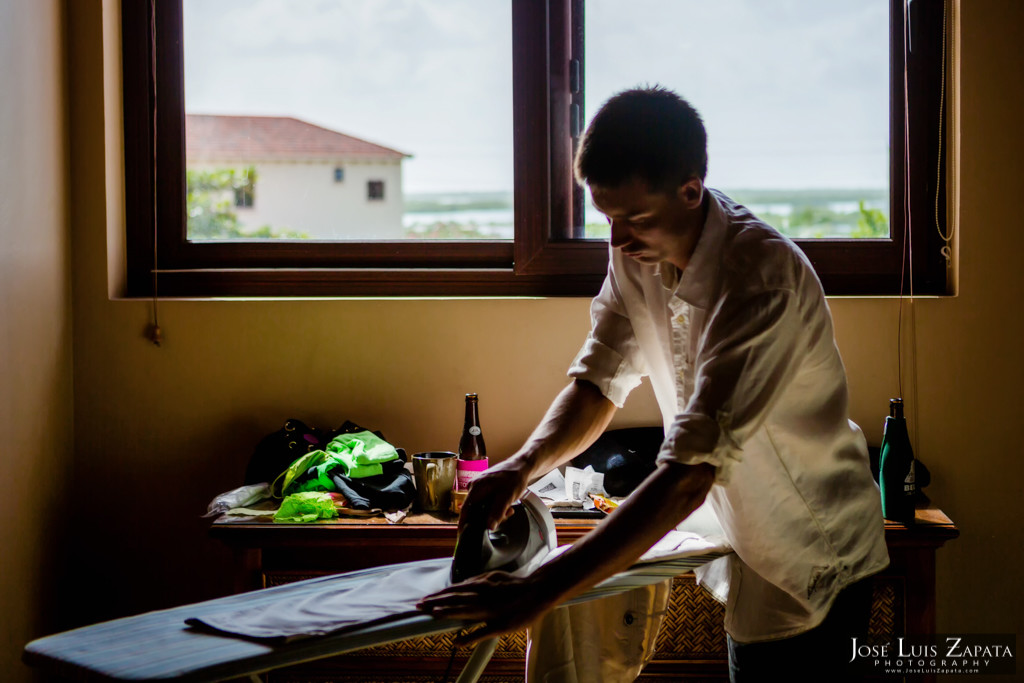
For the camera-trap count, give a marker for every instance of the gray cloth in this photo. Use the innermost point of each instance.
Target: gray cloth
(354, 602)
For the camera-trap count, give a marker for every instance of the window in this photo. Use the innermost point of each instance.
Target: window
(375, 189)
(551, 86)
(244, 194)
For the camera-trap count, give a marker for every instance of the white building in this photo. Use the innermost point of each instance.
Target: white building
(308, 179)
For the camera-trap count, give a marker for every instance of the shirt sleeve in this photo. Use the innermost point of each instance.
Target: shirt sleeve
(610, 358)
(746, 356)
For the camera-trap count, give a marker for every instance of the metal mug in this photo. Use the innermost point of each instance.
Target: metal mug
(435, 478)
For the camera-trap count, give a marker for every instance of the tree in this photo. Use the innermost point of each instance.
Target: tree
(211, 197)
(871, 223)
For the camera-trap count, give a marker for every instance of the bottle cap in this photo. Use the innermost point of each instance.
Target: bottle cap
(896, 407)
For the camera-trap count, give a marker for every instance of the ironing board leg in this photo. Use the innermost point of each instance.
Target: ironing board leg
(477, 661)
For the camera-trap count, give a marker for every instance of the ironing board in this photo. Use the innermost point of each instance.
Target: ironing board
(160, 646)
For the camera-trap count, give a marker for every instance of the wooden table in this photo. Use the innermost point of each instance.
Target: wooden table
(691, 644)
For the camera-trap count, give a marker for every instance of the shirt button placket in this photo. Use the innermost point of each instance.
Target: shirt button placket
(681, 348)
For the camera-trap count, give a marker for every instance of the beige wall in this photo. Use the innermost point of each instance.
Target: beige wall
(159, 430)
(36, 437)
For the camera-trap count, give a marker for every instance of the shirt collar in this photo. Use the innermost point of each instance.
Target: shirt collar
(697, 282)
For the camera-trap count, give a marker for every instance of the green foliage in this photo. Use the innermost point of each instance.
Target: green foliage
(870, 223)
(210, 204)
(818, 222)
(810, 220)
(820, 197)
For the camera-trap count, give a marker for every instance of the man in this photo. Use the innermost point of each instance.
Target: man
(728, 320)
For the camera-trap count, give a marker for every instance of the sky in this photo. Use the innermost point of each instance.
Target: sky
(794, 93)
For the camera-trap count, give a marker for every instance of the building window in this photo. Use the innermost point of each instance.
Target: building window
(244, 194)
(339, 174)
(548, 245)
(375, 189)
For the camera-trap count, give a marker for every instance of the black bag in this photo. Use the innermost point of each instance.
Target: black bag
(275, 452)
(626, 456)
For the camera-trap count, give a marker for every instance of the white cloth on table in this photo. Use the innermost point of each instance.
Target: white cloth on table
(740, 351)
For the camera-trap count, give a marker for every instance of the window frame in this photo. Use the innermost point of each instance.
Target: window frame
(245, 195)
(545, 257)
(375, 191)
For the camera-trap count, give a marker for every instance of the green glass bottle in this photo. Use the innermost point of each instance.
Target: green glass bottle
(896, 467)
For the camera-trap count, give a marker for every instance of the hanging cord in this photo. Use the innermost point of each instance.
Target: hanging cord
(906, 197)
(908, 237)
(153, 332)
(946, 237)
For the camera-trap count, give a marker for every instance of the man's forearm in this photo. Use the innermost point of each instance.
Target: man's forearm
(666, 498)
(576, 418)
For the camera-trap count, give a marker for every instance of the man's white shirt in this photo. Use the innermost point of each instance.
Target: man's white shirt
(740, 351)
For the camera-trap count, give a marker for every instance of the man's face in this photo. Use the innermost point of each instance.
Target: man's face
(649, 227)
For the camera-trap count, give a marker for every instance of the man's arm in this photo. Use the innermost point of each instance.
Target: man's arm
(507, 604)
(577, 416)
(662, 501)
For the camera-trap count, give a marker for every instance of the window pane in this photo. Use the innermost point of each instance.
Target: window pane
(348, 119)
(794, 95)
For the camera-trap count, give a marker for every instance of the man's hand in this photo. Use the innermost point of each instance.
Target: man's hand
(574, 421)
(492, 494)
(489, 598)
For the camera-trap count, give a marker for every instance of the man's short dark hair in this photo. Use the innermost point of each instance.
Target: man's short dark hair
(648, 133)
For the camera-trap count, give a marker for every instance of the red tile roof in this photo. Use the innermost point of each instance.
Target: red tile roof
(251, 138)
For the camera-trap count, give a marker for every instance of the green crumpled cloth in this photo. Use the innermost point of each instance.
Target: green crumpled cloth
(304, 507)
(362, 453)
(357, 455)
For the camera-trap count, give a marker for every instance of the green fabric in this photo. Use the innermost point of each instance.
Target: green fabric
(355, 470)
(357, 455)
(296, 469)
(365, 448)
(305, 507)
(361, 453)
(324, 470)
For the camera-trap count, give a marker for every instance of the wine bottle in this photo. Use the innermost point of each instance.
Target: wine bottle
(897, 479)
(472, 450)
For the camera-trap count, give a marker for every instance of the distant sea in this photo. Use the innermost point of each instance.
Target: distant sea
(429, 210)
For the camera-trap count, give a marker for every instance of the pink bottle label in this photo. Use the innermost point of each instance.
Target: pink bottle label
(468, 470)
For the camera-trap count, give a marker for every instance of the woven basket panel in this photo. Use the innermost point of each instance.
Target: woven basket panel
(887, 608)
(511, 646)
(693, 626)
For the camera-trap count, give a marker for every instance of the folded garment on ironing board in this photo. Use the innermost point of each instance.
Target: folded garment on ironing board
(336, 606)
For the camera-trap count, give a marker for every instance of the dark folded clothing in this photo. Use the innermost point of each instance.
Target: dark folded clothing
(392, 490)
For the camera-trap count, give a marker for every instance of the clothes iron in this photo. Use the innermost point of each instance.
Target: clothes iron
(518, 546)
